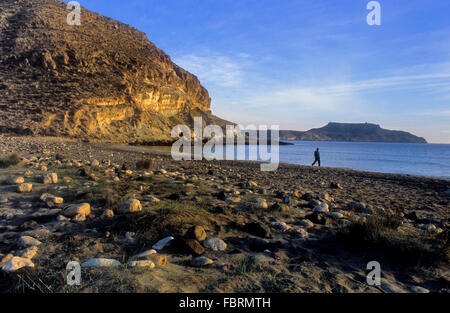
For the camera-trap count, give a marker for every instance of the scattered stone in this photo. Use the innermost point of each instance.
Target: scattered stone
(141, 264)
(3, 200)
(27, 241)
(306, 223)
(24, 188)
(418, 289)
(321, 208)
(302, 233)
(50, 178)
(100, 262)
(335, 215)
(82, 208)
(192, 246)
(28, 253)
(17, 181)
(130, 206)
(43, 168)
(335, 185)
(145, 254)
(107, 214)
(201, 261)
(196, 232)
(215, 244)
(280, 226)
(261, 204)
(257, 229)
(129, 237)
(162, 243)
(51, 200)
(95, 163)
(79, 218)
(283, 208)
(5, 259)
(16, 263)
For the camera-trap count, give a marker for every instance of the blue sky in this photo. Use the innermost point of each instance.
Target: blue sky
(302, 63)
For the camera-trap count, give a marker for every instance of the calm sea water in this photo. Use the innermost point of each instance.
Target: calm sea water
(398, 158)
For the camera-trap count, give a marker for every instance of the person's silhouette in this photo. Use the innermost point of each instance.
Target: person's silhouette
(316, 157)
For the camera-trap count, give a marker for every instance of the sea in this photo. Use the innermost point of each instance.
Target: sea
(431, 160)
(398, 158)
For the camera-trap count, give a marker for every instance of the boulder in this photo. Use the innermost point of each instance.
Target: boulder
(24, 188)
(130, 206)
(82, 208)
(321, 208)
(201, 261)
(162, 243)
(16, 263)
(107, 214)
(215, 244)
(196, 232)
(27, 241)
(17, 181)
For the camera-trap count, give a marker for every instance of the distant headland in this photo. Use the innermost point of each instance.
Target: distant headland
(357, 132)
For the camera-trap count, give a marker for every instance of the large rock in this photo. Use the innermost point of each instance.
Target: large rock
(24, 188)
(130, 206)
(82, 209)
(27, 241)
(196, 232)
(50, 178)
(215, 244)
(162, 243)
(201, 261)
(16, 263)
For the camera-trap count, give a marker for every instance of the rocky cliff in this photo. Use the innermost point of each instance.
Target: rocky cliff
(102, 79)
(363, 132)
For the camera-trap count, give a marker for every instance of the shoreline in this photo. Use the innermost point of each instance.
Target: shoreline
(153, 150)
(279, 231)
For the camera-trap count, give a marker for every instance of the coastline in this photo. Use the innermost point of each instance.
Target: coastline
(287, 223)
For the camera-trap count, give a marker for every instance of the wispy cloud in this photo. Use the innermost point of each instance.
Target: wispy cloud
(216, 69)
(336, 96)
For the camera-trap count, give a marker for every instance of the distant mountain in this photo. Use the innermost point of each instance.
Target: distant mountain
(363, 132)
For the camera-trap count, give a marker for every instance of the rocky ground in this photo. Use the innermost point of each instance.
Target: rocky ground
(137, 221)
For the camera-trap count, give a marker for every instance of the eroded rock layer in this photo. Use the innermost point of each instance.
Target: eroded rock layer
(101, 79)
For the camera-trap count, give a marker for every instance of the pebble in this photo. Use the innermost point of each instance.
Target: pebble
(306, 223)
(141, 264)
(107, 214)
(321, 208)
(28, 253)
(17, 181)
(197, 232)
(27, 241)
(201, 261)
(145, 254)
(215, 244)
(24, 188)
(418, 289)
(162, 243)
(100, 262)
(16, 263)
(280, 226)
(130, 206)
(82, 208)
(261, 204)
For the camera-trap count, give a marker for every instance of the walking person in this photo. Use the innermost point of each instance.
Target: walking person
(316, 157)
